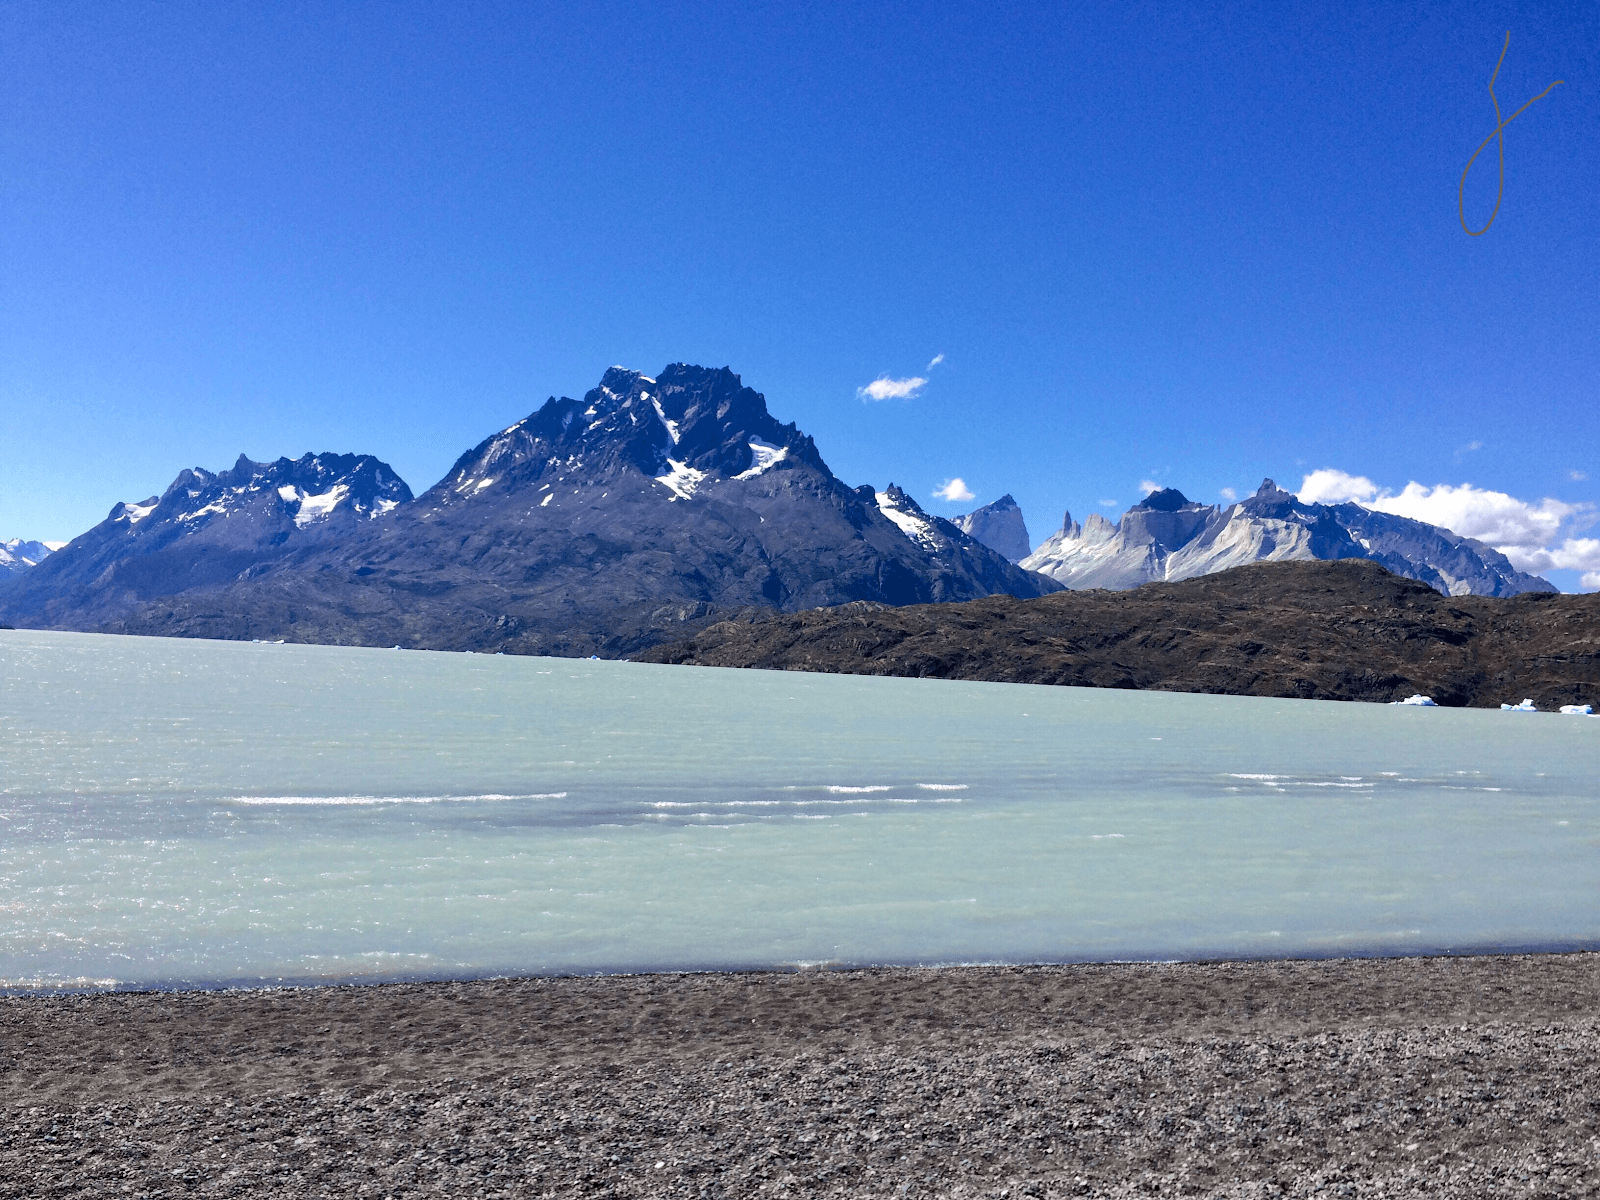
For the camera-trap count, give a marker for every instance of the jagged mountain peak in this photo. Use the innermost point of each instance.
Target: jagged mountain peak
(1000, 527)
(1174, 539)
(306, 490)
(591, 524)
(679, 428)
(1163, 500)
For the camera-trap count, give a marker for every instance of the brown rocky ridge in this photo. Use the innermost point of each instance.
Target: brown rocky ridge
(1344, 630)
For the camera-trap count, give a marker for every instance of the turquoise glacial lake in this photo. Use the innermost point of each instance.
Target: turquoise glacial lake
(182, 813)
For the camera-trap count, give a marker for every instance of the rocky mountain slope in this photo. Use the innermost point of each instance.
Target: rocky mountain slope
(1344, 630)
(1168, 537)
(19, 555)
(998, 526)
(592, 526)
(204, 531)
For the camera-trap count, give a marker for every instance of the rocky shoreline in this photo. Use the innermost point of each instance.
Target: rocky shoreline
(1346, 630)
(1403, 1077)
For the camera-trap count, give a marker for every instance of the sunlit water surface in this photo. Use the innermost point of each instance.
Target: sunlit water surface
(186, 812)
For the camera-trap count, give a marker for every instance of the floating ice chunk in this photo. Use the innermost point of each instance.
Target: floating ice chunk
(1578, 710)
(491, 796)
(1526, 706)
(1419, 700)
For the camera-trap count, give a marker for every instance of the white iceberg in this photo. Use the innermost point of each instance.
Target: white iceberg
(1578, 710)
(1419, 700)
(1525, 706)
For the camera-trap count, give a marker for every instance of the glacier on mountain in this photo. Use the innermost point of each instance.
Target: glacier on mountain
(19, 555)
(1169, 537)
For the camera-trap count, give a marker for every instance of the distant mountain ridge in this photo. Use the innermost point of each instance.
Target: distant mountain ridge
(1000, 527)
(1167, 537)
(592, 526)
(18, 555)
(205, 530)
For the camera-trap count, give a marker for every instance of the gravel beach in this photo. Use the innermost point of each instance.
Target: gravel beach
(1459, 1077)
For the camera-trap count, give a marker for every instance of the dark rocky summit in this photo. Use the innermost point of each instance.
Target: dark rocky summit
(998, 526)
(1344, 630)
(595, 526)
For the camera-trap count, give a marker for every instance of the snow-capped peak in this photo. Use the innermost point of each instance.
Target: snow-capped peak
(904, 512)
(17, 555)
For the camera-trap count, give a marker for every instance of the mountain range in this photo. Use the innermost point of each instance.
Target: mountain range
(592, 526)
(1166, 537)
(18, 555)
(648, 509)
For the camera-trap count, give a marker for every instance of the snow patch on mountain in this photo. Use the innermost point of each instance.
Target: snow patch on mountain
(319, 507)
(681, 479)
(672, 426)
(763, 457)
(910, 519)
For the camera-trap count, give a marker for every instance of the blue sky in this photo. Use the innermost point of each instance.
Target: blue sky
(1154, 243)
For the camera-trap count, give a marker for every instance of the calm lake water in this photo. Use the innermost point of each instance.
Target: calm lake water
(182, 813)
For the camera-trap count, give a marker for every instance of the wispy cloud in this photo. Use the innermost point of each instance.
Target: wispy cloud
(1108, 504)
(884, 388)
(937, 359)
(955, 490)
(1228, 494)
(1577, 476)
(1534, 535)
(1468, 448)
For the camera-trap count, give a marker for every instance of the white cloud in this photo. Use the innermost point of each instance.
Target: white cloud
(937, 359)
(1591, 580)
(954, 489)
(1468, 448)
(1525, 531)
(1147, 486)
(1228, 494)
(884, 388)
(1574, 554)
(1514, 527)
(1330, 486)
(1577, 476)
(1108, 504)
